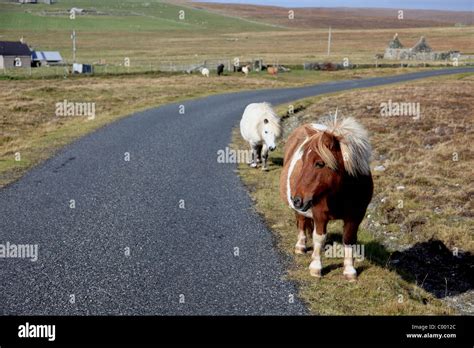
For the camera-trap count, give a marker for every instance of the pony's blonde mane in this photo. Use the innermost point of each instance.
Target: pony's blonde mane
(273, 120)
(353, 140)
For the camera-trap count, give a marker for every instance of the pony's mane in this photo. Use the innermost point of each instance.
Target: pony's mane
(272, 118)
(353, 140)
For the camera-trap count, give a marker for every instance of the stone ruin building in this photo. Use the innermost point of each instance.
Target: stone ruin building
(421, 51)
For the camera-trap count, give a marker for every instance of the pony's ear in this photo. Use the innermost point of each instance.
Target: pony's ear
(331, 141)
(310, 131)
(265, 121)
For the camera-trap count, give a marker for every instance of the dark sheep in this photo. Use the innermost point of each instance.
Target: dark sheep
(220, 69)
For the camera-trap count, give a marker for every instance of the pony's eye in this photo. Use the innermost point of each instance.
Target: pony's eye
(266, 132)
(319, 164)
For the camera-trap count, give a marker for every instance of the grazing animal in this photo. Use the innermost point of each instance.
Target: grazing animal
(205, 72)
(328, 66)
(272, 70)
(220, 69)
(326, 176)
(246, 70)
(378, 56)
(260, 127)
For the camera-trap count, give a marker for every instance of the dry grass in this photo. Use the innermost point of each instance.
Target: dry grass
(437, 191)
(282, 46)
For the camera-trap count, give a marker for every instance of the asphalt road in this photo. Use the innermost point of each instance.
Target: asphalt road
(182, 261)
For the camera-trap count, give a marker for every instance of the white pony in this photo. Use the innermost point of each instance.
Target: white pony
(260, 127)
(205, 72)
(246, 70)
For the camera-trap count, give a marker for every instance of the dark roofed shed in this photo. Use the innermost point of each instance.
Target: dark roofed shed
(14, 54)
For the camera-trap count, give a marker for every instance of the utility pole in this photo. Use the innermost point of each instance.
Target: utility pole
(329, 41)
(73, 37)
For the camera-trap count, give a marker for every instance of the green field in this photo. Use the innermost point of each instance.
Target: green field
(111, 15)
(148, 33)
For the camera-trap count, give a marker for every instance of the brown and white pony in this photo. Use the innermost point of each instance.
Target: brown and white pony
(326, 176)
(272, 70)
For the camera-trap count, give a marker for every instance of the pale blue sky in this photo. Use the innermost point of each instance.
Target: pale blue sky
(454, 5)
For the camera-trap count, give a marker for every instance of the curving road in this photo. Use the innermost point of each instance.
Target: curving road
(181, 261)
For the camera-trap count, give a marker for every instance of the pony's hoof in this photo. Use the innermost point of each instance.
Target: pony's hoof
(351, 277)
(253, 165)
(315, 273)
(265, 169)
(300, 250)
(350, 273)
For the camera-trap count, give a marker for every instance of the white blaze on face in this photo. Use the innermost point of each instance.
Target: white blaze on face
(268, 137)
(294, 159)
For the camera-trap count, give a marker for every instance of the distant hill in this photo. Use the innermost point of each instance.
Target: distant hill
(341, 18)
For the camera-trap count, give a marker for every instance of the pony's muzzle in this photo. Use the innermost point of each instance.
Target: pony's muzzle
(271, 148)
(300, 204)
(297, 202)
